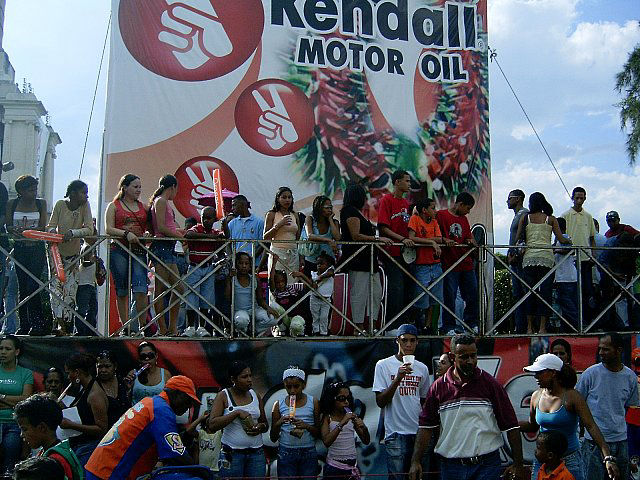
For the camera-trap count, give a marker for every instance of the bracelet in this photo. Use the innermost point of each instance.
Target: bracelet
(609, 458)
(339, 427)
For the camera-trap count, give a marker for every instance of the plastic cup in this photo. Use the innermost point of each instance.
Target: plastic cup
(408, 359)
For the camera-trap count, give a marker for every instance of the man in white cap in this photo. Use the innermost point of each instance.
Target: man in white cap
(400, 384)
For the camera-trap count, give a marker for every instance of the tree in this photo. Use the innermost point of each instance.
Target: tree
(628, 83)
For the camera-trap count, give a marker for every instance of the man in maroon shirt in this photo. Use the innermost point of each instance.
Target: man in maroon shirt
(471, 409)
(615, 227)
(393, 223)
(455, 230)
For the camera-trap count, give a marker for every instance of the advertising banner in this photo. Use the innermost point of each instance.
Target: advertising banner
(302, 93)
(207, 363)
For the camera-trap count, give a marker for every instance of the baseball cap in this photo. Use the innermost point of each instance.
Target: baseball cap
(407, 328)
(613, 215)
(547, 361)
(183, 384)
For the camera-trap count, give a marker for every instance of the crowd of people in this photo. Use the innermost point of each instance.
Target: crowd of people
(451, 426)
(186, 280)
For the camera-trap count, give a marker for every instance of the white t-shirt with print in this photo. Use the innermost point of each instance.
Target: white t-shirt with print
(401, 414)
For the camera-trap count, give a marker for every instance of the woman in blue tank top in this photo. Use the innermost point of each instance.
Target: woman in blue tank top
(557, 406)
(295, 423)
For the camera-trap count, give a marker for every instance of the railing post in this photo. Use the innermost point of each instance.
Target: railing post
(253, 284)
(579, 271)
(233, 290)
(107, 297)
(481, 313)
(371, 319)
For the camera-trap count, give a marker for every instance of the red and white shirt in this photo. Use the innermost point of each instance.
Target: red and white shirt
(471, 415)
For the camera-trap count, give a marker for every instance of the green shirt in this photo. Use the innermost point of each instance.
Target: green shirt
(12, 383)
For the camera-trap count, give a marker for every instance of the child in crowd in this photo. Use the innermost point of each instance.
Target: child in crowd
(566, 278)
(38, 417)
(338, 426)
(246, 289)
(287, 294)
(322, 282)
(425, 233)
(201, 276)
(206, 450)
(91, 272)
(295, 421)
(551, 446)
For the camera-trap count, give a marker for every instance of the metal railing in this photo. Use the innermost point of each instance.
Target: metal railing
(219, 315)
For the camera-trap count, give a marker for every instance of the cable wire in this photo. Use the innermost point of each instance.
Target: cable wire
(494, 57)
(95, 94)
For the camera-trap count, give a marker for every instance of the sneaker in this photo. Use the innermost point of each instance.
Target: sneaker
(202, 332)
(189, 332)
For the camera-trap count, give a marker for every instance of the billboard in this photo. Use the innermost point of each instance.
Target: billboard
(304, 93)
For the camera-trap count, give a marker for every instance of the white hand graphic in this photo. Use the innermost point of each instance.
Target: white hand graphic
(201, 187)
(276, 125)
(194, 31)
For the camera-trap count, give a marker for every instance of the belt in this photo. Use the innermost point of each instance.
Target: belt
(228, 449)
(471, 460)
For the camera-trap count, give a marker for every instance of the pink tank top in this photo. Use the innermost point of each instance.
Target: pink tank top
(169, 218)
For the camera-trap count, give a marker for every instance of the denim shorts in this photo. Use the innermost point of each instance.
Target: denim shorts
(119, 264)
(426, 275)
(165, 251)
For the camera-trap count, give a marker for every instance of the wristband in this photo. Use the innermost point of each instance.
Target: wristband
(609, 458)
(339, 427)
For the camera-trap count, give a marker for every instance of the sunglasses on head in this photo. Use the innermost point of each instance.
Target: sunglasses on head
(342, 398)
(147, 356)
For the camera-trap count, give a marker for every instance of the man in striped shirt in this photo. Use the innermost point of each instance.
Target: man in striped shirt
(472, 410)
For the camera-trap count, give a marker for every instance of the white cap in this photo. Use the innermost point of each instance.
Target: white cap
(547, 361)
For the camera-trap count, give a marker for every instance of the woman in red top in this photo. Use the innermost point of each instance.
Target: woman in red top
(126, 218)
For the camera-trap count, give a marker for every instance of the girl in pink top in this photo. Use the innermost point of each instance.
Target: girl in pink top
(163, 219)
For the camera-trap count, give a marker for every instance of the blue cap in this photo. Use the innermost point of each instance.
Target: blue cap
(407, 328)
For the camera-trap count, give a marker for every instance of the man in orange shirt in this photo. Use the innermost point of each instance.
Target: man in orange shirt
(145, 435)
(551, 446)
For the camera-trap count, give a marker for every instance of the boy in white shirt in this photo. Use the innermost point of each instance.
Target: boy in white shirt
(322, 282)
(400, 385)
(566, 279)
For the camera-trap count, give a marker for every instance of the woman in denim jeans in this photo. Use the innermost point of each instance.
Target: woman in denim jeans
(239, 411)
(295, 424)
(556, 405)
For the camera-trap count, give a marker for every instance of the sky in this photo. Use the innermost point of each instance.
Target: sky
(560, 56)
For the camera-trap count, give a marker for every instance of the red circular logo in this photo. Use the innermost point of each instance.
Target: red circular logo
(274, 117)
(195, 180)
(191, 40)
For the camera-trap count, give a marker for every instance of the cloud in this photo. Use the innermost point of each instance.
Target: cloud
(521, 131)
(605, 191)
(603, 44)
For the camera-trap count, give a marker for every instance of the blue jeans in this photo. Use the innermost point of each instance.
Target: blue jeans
(568, 302)
(489, 469)
(87, 308)
(119, 264)
(399, 449)
(11, 288)
(242, 464)
(297, 462)
(83, 451)
(165, 251)
(206, 280)
(573, 462)
(468, 284)
(426, 275)
(10, 445)
(517, 292)
(594, 469)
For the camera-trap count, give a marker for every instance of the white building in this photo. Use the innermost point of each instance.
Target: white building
(26, 139)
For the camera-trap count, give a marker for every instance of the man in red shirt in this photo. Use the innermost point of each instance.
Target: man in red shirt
(393, 223)
(201, 276)
(455, 229)
(615, 227)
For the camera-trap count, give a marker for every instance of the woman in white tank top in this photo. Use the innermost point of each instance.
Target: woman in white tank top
(239, 412)
(339, 428)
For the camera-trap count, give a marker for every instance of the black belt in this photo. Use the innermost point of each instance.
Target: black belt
(471, 460)
(228, 449)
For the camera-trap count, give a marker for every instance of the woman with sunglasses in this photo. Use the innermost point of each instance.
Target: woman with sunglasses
(116, 389)
(151, 381)
(338, 426)
(294, 423)
(240, 412)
